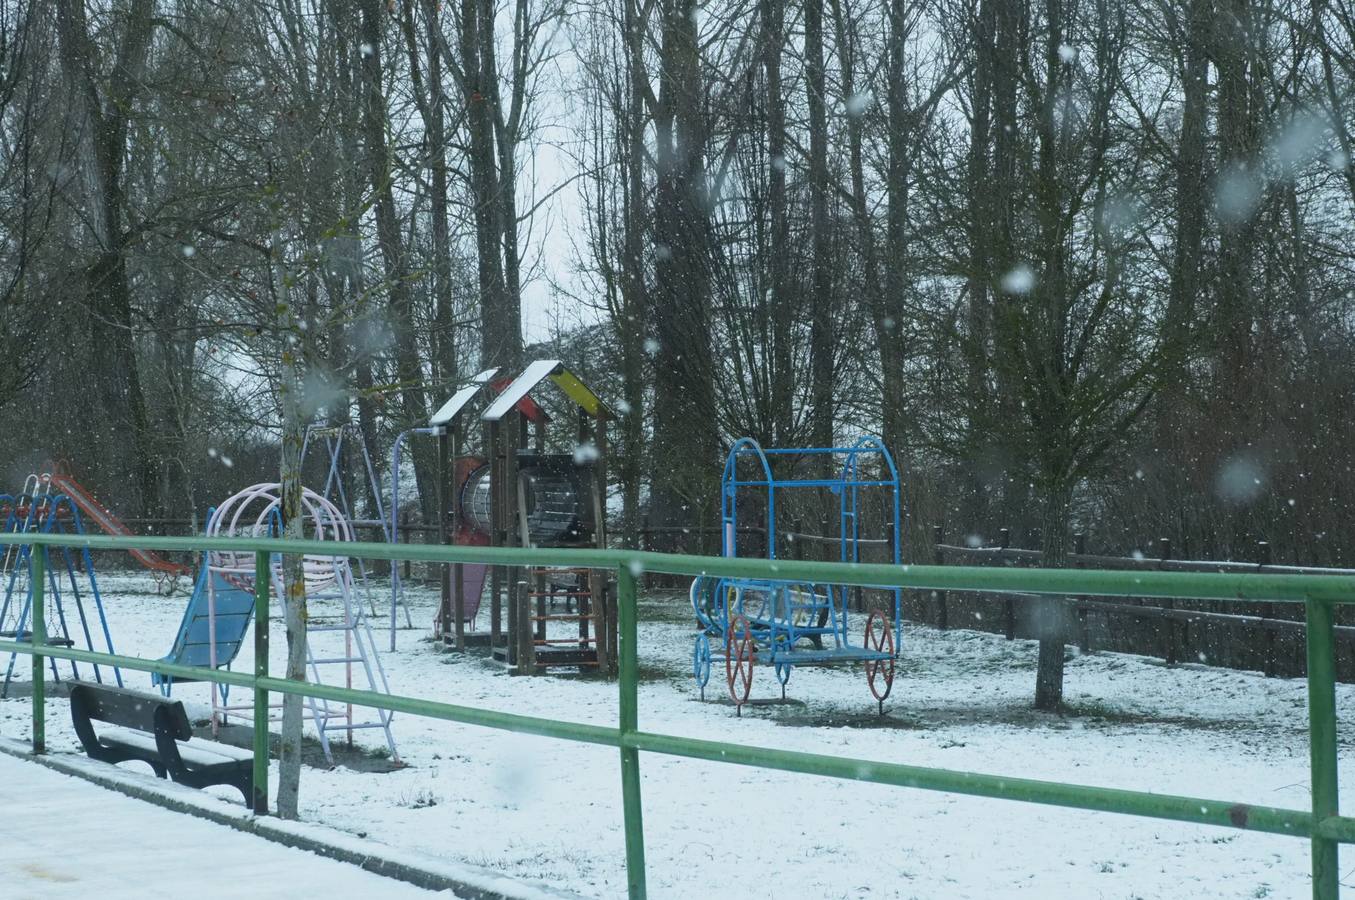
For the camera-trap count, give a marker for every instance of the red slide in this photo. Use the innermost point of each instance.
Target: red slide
(111, 524)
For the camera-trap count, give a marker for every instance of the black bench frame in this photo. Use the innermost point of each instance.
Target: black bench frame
(157, 715)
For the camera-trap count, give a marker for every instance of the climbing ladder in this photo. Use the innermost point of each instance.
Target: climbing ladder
(561, 596)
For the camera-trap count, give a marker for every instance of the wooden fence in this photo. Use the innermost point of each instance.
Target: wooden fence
(1264, 637)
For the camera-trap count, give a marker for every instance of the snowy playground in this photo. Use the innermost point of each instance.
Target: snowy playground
(761, 649)
(549, 812)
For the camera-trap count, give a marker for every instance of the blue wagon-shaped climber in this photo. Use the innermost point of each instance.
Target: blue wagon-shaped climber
(781, 623)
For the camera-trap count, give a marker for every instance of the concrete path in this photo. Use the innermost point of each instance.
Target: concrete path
(65, 837)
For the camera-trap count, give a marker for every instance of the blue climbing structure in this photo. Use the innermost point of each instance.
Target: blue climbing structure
(73, 604)
(788, 623)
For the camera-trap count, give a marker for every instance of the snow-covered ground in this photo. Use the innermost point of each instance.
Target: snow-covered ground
(548, 810)
(72, 839)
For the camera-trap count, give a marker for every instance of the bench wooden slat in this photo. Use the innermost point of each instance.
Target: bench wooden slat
(132, 709)
(198, 753)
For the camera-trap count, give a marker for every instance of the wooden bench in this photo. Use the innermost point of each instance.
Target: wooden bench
(153, 729)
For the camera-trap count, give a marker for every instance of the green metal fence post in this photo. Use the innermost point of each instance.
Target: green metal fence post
(630, 757)
(1322, 742)
(262, 592)
(38, 632)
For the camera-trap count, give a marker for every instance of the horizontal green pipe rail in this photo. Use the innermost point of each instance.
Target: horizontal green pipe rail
(1274, 820)
(1322, 825)
(1270, 819)
(1171, 585)
(470, 715)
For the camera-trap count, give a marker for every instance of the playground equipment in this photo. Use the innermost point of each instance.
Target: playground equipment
(70, 577)
(465, 589)
(523, 496)
(210, 634)
(335, 441)
(337, 631)
(786, 624)
(165, 572)
(520, 495)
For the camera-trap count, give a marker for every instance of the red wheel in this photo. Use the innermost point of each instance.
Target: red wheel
(880, 672)
(740, 654)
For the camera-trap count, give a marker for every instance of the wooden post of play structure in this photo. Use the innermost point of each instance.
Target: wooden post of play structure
(600, 597)
(444, 580)
(458, 570)
(518, 594)
(607, 660)
(496, 538)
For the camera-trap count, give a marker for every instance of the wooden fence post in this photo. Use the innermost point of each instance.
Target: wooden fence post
(1172, 656)
(1269, 667)
(939, 538)
(1084, 643)
(1008, 601)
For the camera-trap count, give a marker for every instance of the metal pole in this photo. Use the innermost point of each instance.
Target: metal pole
(262, 593)
(38, 555)
(395, 530)
(631, 807)
(1322, 743)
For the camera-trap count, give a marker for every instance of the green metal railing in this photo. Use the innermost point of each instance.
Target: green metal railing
(1322, 825)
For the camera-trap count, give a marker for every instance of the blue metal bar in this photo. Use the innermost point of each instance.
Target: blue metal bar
(53, 526)
(19, 559)
(98, 595)
(78, 524)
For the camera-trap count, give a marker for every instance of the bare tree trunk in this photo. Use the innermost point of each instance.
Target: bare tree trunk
(112, 335)
(980, 276)
(685, 439)
(500, 328)
(1051, 611)
(821, 301)
(1012, 27)
(408, 367)
(506, 125)
(1239, 195)
(634, 318)
(293, 582)
(432, 107)
(780, 301)
(891, 298)
(885, 302)
(1190, 181)
(1045, 358)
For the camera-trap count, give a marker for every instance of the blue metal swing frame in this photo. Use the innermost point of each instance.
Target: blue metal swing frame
(782, 615)
(46, 512)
